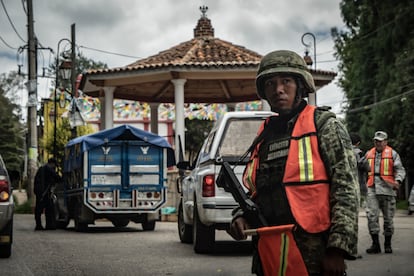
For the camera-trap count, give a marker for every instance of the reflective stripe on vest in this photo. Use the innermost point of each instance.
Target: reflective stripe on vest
(386, 166)
(305, 179)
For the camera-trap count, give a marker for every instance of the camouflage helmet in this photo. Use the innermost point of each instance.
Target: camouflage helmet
(284, 61)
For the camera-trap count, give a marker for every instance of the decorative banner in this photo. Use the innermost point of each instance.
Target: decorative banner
(89, 109)
(75, 116)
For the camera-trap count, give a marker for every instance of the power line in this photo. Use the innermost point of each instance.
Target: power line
(11, 22)
(5, 43)
(365, 107)
(107, 52)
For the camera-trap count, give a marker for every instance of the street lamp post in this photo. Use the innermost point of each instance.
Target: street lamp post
(65, 69)
(308, 60)
(73, 76)
(68, 70)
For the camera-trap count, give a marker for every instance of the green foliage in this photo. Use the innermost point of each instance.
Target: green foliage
(83, 63)
(11, 130)
(376, 54)
(23, 207)
(63, 135)
(63, 130)
(196, 132)
(402, 204)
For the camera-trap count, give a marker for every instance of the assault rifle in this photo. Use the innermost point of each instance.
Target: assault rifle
(228, 180)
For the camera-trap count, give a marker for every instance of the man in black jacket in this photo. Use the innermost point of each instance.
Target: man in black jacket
(46, 178)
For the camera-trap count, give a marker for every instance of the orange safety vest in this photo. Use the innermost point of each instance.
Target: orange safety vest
(305, 179)
(386, 166)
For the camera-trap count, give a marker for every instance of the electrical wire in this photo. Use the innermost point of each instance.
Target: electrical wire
(107, 52)
(391, 99)
(5, 43)
(11, 22)
(24, 7)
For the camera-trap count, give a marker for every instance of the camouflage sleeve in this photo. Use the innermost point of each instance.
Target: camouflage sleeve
(338, 155)
(399, 170)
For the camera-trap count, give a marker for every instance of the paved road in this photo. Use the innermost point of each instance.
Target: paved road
(130, 251)
(105, 250)
(400, 263)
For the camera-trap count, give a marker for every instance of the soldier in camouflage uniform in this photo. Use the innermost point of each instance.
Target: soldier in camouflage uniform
(283, 80)
(363, 167)
(384, 179)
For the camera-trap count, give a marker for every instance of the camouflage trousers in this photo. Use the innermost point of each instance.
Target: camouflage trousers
(385, 204)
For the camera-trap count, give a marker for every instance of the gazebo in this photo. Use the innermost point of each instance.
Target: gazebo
(204, 69)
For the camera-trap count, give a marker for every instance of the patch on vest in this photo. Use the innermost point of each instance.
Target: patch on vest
(277, 149)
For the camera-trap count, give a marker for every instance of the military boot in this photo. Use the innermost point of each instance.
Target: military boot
(387, 244)
(375, 247)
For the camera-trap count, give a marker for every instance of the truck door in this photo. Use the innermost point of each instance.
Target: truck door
(146, 175)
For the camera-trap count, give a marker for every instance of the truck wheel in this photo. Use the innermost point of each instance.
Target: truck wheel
(120, 222)
(185, 231)
(148, 225)
(203, 236)
(6, 249)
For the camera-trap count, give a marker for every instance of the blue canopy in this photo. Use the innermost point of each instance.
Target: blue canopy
(123, 132)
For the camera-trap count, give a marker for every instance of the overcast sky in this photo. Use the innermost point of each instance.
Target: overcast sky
(119, 32)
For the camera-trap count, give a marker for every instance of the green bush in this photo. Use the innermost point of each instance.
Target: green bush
(402, 204)
(24, 208)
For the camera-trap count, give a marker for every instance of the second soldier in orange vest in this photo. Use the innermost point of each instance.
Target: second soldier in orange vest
(384, 179)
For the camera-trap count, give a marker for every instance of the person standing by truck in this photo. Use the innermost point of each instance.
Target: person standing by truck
(302, 172)
(45, 179)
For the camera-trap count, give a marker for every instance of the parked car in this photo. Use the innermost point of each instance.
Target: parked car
(6, 212)
(204, 207)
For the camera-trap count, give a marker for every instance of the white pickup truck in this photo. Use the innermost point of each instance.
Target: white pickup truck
(203, 206)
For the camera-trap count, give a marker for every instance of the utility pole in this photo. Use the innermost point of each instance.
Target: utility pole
(73, 77)
(32, 100)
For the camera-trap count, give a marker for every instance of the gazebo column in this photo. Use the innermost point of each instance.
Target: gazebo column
(179, 114)
(108, 119)
(154, 117)
(102, 115)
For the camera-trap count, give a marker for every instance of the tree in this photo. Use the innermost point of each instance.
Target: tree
(196, 132)
(11, 130)
(376, 54)
(63, 135)
(63, 129)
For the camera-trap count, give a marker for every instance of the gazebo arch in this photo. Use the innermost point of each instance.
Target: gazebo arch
(204, 69)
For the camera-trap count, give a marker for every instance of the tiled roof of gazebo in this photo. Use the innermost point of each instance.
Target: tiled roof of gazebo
(216, 71)
(204, 50)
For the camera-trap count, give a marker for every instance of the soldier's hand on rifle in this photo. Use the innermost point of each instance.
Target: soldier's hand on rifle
(237, 228)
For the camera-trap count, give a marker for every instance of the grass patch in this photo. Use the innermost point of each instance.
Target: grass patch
(24, 208)
(402, 204)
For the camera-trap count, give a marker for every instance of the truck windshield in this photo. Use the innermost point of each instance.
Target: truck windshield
(239, 135)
